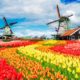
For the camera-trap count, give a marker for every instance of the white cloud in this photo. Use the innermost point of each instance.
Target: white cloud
(1, 32)
(73, 9)
(33, 9)
(42, 11)
(28, 8)
(38, 8)
(34, 33)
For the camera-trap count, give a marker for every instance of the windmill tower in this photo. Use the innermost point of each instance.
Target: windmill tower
(7, 30)
(63, 22)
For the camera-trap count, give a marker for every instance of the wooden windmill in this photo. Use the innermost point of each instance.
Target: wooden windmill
(63, 22)
(8, 33)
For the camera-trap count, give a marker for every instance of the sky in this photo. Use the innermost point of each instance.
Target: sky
(32, 15)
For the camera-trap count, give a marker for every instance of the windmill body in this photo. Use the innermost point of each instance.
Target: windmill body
(7, 31)
(63, 23)
(62, 28)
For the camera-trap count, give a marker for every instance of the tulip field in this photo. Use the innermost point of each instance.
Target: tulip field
(41, 60)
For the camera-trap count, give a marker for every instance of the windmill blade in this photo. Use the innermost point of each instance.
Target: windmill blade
(2, 28)
(58, 29)
(58, 11)
(12, 23)
(11, 31)
(52, 22)
(70, 15)
(5, 21)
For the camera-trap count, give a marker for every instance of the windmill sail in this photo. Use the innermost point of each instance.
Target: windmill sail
(12, 23)
(58, 11)
(5, 21)
(11, 31)
(52, 22)
(2, 28)
(70, 15)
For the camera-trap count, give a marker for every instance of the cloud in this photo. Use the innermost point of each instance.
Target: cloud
(34, 33)
(27, 8)
(33, 9)
(1, 32)
(73, 9)
(38, 12)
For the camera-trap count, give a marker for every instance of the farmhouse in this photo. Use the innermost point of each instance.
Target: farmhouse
(71, 34)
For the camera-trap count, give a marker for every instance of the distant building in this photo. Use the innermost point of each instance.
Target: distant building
(71, 34)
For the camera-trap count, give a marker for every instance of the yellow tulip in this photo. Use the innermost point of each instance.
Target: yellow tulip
(76, 76)
(78, 70)
(69, 69)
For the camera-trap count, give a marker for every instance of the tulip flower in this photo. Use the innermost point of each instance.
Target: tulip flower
(8, 72)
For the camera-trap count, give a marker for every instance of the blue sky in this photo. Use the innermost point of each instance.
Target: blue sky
(32, 15)
(70, 1)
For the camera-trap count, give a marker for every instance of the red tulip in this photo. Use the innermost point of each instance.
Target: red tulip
(69, 49)
(8, 72)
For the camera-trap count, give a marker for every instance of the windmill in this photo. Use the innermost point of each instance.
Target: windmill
(8, 33)
(63, 22)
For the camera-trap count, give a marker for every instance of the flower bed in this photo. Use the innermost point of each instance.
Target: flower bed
(69, 49)
(30, 69)
(45, 60)
(16, 43)
(8, 72)
(64, 64)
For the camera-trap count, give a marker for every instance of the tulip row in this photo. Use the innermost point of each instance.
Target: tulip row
(65, 62)
(69, 49)
(16, 43)
(52, 42)
(30, 69)
(7, 72)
